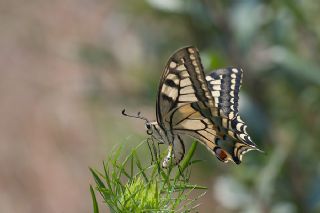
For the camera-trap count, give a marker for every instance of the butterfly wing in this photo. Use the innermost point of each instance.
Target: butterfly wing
(205, 108)
(228, 142)
(183, 81)
(191, 120)
(224, 85)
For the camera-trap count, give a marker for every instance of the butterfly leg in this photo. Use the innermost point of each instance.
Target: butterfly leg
(159, 152)
(153, 158)
(156, 149)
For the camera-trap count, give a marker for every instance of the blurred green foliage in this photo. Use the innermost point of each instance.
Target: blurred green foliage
(277, 43)
(128, 184)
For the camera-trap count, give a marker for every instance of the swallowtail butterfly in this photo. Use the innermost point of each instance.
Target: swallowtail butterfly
(204, 107)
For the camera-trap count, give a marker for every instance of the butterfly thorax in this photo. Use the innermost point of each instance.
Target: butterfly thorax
(165, 136)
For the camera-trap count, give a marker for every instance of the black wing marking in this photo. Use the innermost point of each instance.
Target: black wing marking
(225, 86)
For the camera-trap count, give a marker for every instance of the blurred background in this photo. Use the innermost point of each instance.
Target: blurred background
(68, 68)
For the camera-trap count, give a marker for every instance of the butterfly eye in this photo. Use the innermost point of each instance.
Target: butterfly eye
(149, 130)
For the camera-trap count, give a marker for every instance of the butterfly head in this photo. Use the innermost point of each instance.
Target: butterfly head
(149, 128)
(154, 130)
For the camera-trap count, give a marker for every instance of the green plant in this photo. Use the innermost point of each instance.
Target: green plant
(130, 185)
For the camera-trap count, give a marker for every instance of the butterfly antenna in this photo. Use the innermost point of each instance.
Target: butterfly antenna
(134, 116)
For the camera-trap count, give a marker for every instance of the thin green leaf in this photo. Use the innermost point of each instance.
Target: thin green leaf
(97, 179)
(141, 170)
(185, 162)
(131, 166)
(107, 178)
(94, 201)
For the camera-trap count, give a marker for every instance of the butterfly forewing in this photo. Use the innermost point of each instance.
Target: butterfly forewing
(182, 82)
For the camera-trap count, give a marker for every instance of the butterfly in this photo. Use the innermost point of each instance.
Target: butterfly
(204, 107)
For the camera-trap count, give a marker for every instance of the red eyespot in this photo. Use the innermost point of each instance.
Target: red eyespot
(221, 154)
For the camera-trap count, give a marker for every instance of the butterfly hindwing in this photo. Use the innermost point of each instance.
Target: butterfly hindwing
(189, 120)
(225, 86)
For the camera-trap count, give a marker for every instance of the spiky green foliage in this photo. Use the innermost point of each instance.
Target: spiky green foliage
(128, 184)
